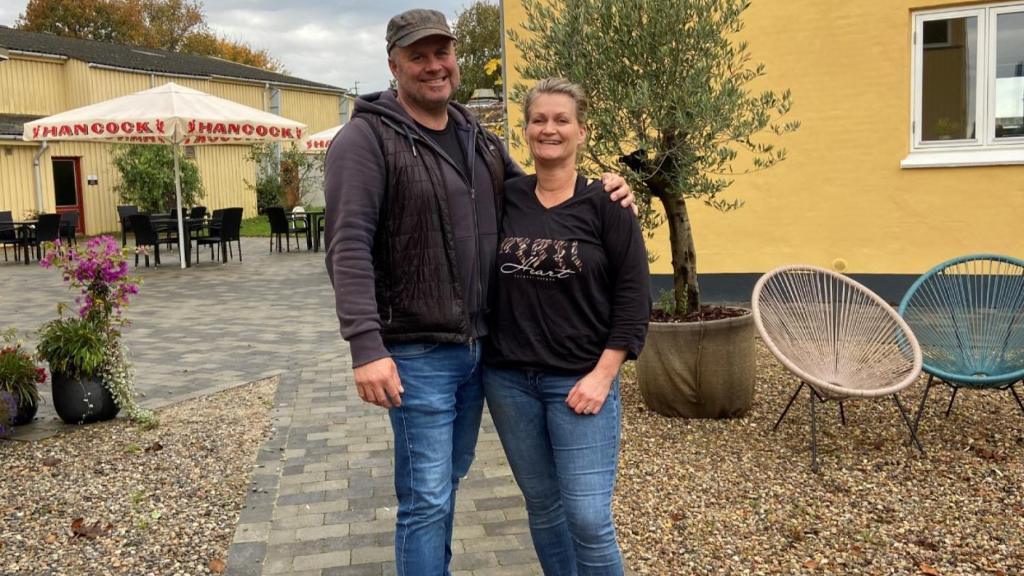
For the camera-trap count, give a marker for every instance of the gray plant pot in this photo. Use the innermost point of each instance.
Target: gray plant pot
(82, 400)
(699, 369)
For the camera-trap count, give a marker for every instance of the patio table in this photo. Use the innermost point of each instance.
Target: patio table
(22, 229)
(166, 223)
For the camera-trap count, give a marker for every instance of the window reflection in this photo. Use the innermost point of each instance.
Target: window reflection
(1009, 75)
(949, 75)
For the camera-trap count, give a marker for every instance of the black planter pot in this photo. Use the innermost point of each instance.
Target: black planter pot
(82, 400)
(25, 414)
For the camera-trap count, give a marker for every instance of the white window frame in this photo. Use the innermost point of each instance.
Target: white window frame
(984, 149)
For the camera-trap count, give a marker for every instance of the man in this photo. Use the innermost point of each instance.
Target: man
(413, 187)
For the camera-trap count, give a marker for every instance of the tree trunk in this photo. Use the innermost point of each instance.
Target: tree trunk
(684, 256)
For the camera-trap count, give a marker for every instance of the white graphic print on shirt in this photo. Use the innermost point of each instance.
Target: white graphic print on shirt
(540, 258)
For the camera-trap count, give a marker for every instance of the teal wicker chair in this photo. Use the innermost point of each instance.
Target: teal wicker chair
(968, 315)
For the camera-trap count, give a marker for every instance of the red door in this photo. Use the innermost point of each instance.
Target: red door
(67, 189)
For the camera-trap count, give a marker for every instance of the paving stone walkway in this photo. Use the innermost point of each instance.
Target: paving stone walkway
(321, 501)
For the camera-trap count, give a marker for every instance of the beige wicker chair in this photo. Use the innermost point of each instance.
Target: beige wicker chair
(837, 336)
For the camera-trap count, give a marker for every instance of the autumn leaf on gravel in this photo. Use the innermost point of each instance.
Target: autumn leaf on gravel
(217, 566)
(51, 538)
(155, 447)
(990, 454)
(926, 569)
(80, 529)
(811, 564)
(50, 461)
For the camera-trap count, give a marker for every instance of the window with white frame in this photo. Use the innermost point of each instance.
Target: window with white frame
(968, 67)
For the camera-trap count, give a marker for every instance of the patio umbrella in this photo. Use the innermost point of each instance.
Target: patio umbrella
(319, 142)
(171, 115)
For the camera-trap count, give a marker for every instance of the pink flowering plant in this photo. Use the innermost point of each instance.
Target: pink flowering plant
(89, 343)
(100, 272)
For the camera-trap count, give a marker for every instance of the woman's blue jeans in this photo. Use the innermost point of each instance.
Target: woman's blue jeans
(564, 463)
(435, 430)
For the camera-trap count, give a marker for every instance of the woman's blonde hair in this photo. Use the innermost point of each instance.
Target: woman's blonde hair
(557, 86)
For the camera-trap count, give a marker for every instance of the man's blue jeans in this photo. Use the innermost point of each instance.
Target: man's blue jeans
(565, 465)
(435, 430)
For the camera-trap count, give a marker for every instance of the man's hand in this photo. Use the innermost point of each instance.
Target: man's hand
(620, 191)
(378, 383)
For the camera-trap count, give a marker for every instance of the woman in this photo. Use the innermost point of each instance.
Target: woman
(573, 301)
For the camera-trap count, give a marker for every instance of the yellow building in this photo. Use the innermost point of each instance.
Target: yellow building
(910, 148)
(43, 74)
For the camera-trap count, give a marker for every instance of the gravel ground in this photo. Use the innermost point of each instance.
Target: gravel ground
(729, 497)
(161, 501)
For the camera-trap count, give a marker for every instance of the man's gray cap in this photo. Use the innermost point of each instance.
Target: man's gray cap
(416, 24)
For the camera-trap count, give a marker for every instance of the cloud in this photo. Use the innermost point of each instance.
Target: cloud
(337, 43)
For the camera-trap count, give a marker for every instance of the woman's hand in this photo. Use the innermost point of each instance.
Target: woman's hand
(590, 392)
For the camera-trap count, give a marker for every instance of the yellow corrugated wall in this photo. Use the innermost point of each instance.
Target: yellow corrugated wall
(317, 110)
(38, 83)
(841, 195)
(44, 88)
(16, 191)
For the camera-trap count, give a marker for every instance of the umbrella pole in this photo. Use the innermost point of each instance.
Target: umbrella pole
(177, 197)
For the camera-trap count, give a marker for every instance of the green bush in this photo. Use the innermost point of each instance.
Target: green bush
(147, 177)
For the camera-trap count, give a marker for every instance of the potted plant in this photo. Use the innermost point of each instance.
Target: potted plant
(90, 375)
(20, 378)
(672, 109)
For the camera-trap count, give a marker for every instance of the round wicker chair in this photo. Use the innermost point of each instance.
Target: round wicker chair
(837, 336)
(968, 314)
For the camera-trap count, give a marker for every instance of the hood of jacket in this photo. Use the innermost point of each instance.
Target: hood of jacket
(386, 104)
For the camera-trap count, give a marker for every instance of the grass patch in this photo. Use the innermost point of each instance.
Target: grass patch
(257, 226)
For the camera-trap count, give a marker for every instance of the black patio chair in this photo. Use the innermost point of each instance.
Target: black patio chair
(9, 235)
(228, 230)
(279, 225)
(69, 227)
(123, 212)
(197, 212)
(47, 230)
(145, 235)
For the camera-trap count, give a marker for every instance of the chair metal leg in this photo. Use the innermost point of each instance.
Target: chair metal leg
(1016, 397)
(951, 399)
(903, 413)
(842, 413)
(790, 403)
(920, 408)
(814, 435)
(239, 250)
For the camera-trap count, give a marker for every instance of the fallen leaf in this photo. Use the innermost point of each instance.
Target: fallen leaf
(80, 529)
(990, 454)
(217, 566)
(155, 447)
(926, 569)
(811, 564)
(50, 461)
(51, 538)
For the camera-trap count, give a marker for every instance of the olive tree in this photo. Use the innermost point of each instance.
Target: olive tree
(672, 103)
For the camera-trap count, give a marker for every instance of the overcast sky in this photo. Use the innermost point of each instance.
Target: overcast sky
(337, 42)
